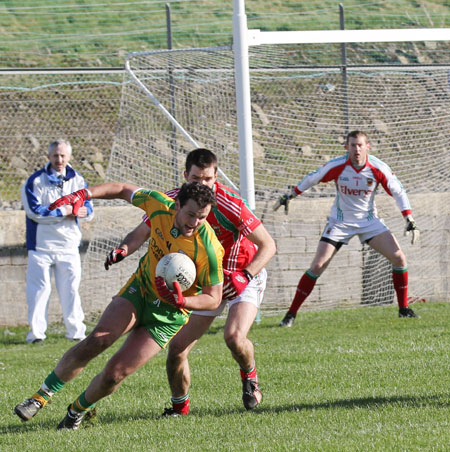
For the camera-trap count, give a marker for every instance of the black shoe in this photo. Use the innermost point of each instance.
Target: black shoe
(251, 394)
(407, 312)
(288, 320)
(38, 341)
(72, 421)
(28, 409)
(170, 412)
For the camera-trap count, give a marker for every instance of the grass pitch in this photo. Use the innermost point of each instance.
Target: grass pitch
(344, 380)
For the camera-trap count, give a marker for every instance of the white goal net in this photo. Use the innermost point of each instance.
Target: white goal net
(301, 111)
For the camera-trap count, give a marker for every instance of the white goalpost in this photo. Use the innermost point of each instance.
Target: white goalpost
(273, 107)
(243, 38)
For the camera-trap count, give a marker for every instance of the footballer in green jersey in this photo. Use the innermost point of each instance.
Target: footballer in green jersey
(145, 308)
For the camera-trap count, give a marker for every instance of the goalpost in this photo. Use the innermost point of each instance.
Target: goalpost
(273, 112)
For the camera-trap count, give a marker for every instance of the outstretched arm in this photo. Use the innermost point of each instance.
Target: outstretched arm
(131, 243)
(136, 238)
(110, 190)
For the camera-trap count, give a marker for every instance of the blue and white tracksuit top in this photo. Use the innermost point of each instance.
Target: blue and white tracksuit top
(52, 231)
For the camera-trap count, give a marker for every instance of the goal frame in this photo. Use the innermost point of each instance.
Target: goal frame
(243, 38)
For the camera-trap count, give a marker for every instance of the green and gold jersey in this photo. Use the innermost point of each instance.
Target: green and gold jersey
(202, 247)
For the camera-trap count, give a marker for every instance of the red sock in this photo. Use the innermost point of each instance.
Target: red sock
(250, 375)
(400, 279)
(304, 288)
(181, 407)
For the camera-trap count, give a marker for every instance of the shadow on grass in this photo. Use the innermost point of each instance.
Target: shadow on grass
(438, 400)
(109, 417)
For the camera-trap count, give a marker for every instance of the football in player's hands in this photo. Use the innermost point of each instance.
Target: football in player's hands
(174, 297)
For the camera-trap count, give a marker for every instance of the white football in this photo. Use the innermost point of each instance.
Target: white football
(177, 267)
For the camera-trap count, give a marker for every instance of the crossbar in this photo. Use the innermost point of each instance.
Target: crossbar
(257, 37)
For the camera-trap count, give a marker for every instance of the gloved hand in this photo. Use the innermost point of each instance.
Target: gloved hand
(284, 201)
(234, 283)
(411, 228)
(75, 199)
(116, 255)
(174, 297)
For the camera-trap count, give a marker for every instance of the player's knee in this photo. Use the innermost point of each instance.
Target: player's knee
(112, 376)
(177, 352)
(317, 268)
(234, 339)
(399, 259)
(97, 342)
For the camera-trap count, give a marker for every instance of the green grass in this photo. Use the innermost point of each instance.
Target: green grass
(86, 33)
(343, 380)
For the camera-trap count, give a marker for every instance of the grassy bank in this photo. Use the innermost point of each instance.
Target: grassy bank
(54, 33)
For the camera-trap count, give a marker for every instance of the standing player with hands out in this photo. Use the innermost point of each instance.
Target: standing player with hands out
(248, 249)
(357, 176)
(145, 307)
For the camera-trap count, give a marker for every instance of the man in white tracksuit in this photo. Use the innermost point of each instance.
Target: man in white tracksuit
(53, 240)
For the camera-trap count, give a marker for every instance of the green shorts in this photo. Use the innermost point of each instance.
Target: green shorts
(162, 320)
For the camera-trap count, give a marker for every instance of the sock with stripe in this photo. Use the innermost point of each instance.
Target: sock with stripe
(304, 288)
(400, 280)
(51, 385)
(81, 405)
(181, 404)
(250, 374)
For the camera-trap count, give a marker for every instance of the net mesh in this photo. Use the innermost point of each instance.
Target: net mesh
(37, 108)
(300, 116)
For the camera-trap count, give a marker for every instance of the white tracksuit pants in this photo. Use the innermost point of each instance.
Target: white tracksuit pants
(67, 270)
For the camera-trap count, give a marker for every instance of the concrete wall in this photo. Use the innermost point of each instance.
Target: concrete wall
(340, 286)
(296, 244)
(13, 266)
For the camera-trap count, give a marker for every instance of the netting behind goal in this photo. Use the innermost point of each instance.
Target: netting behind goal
(300, 116)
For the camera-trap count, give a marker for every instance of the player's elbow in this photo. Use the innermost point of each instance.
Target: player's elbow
(267, 248)
(271, 247)
(215, 302)
(215, 298)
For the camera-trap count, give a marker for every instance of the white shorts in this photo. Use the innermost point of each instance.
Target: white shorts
(341, 232)
(253, 294)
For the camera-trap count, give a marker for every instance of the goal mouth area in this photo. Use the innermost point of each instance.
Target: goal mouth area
(301, 108)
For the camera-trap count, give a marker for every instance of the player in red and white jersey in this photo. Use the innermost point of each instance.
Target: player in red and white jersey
(248, 248)
(232, 221)
(357, 176)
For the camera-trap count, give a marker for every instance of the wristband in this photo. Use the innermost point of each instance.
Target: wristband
(247, 274)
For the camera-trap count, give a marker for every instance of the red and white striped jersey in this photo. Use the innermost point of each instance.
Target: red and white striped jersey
(355, 188)
(232, 220)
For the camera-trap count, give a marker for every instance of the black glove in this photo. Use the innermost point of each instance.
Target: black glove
(411, 228)
(115, 256)
(284, 201)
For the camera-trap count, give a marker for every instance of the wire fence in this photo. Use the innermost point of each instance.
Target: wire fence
(95, 33)
(36, 108)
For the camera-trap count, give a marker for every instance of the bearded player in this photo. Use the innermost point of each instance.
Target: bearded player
(145, 307)
(248, 248)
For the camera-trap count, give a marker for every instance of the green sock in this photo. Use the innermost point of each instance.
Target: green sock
(81, 404)
(51, 385)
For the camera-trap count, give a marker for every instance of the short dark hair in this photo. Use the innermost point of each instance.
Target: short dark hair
(356, 134)
(202, 158)
(198, 192)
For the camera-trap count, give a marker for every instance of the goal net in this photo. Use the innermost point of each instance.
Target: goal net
(303, 102)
